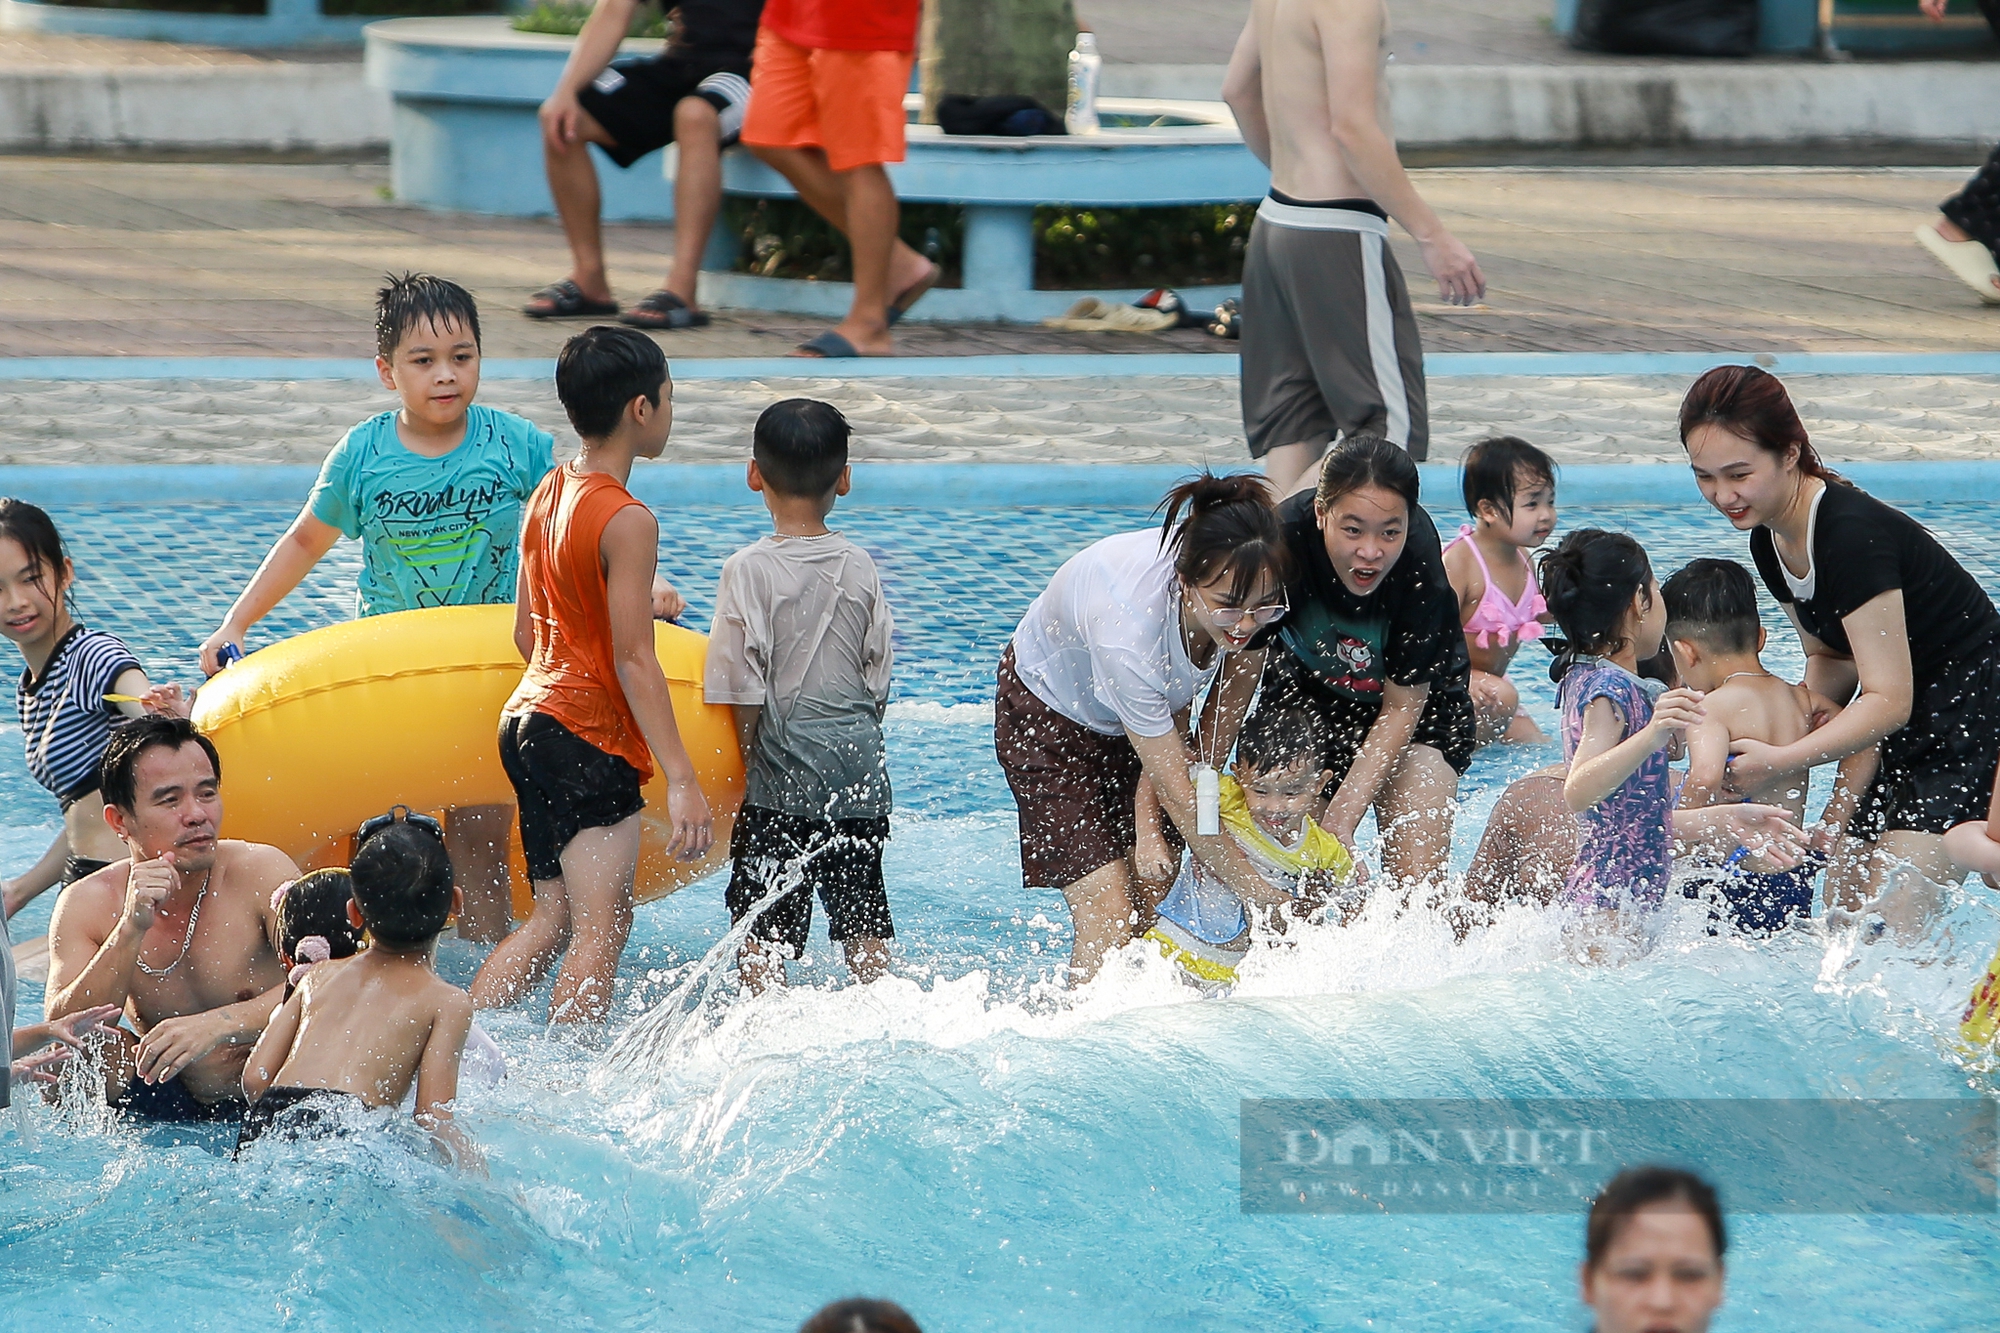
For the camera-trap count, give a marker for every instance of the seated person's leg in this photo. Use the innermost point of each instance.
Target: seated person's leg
(573, 183)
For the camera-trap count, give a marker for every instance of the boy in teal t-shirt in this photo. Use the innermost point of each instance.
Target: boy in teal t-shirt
(435, 531)
(433, 491)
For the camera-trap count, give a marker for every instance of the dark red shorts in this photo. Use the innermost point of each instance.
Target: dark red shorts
(1074, 786)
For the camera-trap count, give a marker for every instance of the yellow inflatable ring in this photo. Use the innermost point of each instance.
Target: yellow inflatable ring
(321, 731)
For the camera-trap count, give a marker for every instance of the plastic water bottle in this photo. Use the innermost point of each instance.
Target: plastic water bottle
(1084, 66)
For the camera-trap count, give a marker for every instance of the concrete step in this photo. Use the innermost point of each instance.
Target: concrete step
(327, 107)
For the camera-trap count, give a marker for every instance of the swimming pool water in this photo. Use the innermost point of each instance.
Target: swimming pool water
(964, 1138)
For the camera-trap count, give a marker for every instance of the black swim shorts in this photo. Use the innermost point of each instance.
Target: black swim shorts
(1937, 769)
(295, 1113)
(792, 858)
(170, 1102)
(564, 785)
(634, 100)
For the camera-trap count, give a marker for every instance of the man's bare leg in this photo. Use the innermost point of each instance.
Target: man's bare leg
(475, 838)
(579, 203)
(872, 217)
(599, 866)
(827, 194)
(1288, 465)
(697, 192)
(761, 965)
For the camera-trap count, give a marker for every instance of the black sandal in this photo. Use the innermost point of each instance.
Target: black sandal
(663, 310)
(565, 300)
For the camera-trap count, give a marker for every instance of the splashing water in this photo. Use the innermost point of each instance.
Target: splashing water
(995, 1152)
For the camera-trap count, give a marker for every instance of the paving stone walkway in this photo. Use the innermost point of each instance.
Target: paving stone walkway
(1188, 420)
(115, 258)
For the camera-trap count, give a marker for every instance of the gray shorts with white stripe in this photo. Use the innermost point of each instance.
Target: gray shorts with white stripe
(1329, 342)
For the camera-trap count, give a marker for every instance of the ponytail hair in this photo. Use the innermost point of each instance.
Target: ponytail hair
(1752, 404)
(1589, 582)
(1227, 524)
(1366, 460)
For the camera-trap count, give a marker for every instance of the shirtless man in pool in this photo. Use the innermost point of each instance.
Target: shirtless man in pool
(180, 934)
(1329, 341)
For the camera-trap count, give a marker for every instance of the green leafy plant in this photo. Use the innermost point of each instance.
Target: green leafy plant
(565, 18)
(1075, 248)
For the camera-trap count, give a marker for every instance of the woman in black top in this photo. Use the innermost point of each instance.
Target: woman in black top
(1373, 639)
(1891, 624)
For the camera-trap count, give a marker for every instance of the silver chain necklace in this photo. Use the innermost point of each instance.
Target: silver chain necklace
(186, 943)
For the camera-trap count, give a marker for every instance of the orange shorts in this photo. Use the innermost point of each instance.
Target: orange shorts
(849, 103)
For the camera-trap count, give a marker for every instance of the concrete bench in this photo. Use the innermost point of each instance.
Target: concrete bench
(1150, 154)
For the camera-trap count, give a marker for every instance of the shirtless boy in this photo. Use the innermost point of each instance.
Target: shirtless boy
(362, 1030)
(180, 935)
(1716, 635)
(1329, 342)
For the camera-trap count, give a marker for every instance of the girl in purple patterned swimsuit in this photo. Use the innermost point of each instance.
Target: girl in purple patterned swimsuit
(1599, 586)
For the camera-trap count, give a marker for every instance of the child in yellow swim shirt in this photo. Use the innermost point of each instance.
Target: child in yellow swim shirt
(1269, 798)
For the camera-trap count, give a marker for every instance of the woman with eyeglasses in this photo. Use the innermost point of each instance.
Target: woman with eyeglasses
(1097, 687)
(1373, 637)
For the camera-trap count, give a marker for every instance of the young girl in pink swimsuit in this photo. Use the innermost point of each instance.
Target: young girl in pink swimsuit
(1510, 491)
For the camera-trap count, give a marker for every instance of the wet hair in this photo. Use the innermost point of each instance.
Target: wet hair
(117, 771)
(416, 299)
(1634, 1188)
(860, 1315)
(1589, 582)
(1753, 404)
(402, 883)
(31, 526)
(315, 905)
(1224, 525)
(601, 370)
(1366, 460)
(800, 445)
(1713, 603)
(1281, 730)
(1493, 469)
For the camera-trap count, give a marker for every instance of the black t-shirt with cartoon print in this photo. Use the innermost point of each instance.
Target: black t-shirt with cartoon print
(1406, 631)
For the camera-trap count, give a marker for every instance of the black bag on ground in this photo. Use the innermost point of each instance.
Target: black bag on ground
(1667, 27)
(1017, 116)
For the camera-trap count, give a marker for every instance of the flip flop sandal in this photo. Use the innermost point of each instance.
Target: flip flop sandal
(1970, 261)
(664, 310)
(914, 293)
(565, 300)
(829, 345)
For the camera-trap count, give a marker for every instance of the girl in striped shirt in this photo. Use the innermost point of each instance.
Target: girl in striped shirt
(65, 697)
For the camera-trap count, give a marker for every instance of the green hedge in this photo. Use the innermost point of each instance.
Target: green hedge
(1086, 248)
(564, 18)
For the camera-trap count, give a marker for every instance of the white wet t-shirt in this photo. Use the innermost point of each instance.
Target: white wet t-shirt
(1102, 644)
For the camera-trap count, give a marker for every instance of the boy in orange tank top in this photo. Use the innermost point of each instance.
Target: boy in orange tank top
(592, 713)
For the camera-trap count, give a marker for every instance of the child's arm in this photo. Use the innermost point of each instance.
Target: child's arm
(268, 1056)
(289, 560)
(524, 618)
(1976, 844)
(630, 549)
(1602, 761)
(437, 1078)
(1463, 572)
(44, 874)
(746, 717)
(1708, 764)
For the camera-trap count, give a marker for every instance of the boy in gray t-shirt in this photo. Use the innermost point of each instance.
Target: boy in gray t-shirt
(800, 648)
